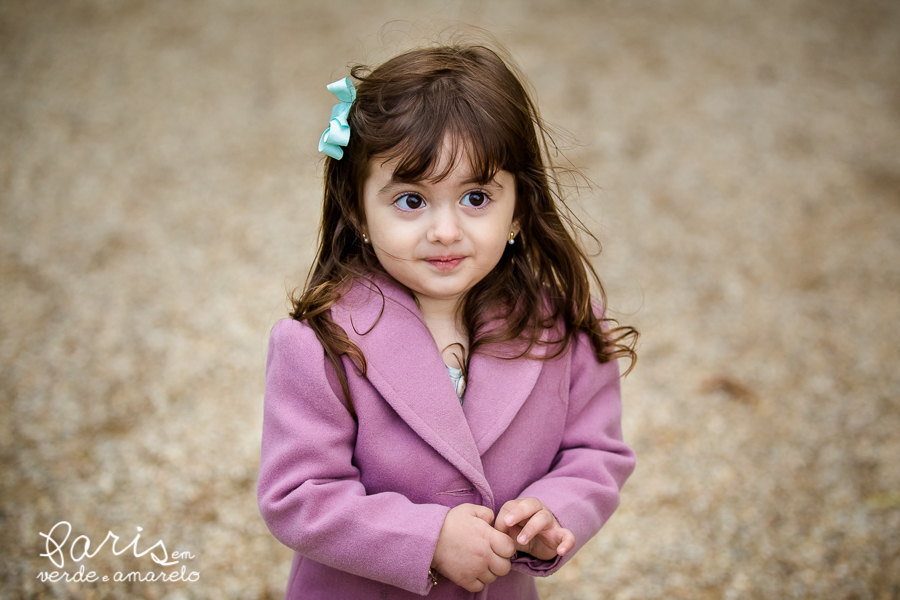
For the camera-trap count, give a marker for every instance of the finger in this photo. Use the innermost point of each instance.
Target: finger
(500, 523)
(540, 521)
(487, 577)
(499, 566)
(566, 543)
(473, 586)
(502, 545)
(523, 509)
(483, 513)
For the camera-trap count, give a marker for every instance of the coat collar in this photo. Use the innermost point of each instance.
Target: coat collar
(405, 366)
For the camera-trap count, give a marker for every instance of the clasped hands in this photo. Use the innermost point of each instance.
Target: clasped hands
(473, 549)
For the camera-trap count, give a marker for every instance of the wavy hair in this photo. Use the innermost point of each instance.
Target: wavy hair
(404, 110)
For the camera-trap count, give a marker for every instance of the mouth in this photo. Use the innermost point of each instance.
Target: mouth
(445, 263)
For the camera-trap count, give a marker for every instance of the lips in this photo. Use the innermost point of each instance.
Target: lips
(445, 263)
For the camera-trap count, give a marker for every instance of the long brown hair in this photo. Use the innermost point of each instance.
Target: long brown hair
(405, 109)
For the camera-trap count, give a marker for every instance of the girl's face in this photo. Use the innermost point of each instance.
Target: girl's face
(438, 238)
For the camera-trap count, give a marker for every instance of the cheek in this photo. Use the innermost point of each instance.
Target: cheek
(497, 235)
(492, 242)
(393, 235)
(395, 244)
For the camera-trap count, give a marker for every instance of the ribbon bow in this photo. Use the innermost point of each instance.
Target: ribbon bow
(338, 132)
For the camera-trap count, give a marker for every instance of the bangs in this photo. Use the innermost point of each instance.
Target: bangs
(466, 103)
(431, 137)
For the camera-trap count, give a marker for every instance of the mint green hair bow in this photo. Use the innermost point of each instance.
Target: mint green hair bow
(338, 132)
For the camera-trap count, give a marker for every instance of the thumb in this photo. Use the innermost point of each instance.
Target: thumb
(483, 513)
(502, 545)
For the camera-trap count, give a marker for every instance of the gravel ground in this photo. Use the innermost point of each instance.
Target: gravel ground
(159, 188)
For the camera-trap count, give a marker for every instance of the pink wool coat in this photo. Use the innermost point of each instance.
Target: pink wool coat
(361, 502)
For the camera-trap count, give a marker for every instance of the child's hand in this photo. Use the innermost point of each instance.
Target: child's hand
(470, 552)
(534, 528)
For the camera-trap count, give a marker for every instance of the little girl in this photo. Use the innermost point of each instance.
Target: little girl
(442, 412)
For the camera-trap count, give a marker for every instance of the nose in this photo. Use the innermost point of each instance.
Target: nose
(445, 226)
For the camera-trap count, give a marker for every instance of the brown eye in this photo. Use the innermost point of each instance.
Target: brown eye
(475, 199)
(409, 202)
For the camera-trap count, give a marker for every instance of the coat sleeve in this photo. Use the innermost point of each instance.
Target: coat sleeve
(309, 490)
(592, 463)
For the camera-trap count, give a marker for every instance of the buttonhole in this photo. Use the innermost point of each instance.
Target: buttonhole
(463, 492)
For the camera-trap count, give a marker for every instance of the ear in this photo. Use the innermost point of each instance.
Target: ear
(358, 225)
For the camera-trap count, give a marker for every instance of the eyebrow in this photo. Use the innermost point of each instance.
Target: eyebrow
(395, 183)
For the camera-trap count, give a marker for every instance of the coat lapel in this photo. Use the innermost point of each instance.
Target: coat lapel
(405, 366)
(496, 390)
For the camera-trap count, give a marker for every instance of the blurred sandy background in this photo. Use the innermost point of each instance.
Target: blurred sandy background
(159, 192)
